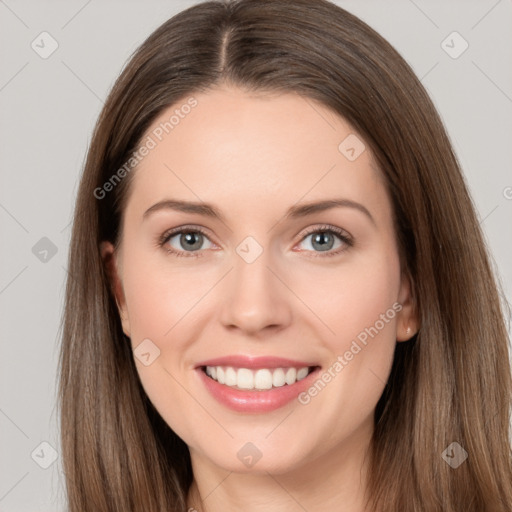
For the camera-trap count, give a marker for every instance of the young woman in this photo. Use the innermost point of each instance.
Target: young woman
(280, 294)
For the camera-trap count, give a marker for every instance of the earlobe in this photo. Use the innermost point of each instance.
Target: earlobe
(407, 320)
(109, 258)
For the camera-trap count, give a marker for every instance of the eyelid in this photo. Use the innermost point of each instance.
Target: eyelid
(325, 227)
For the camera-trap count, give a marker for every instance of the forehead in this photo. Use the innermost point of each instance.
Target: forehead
(245, 149)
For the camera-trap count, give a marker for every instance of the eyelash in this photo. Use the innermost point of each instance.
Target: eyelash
(340, 233)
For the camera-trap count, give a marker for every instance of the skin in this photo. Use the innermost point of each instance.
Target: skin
(253, 156)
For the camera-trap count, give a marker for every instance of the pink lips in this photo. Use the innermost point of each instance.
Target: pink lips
(255, 401)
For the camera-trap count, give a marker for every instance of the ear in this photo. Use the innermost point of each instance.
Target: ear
(407, 319)
(110, 260)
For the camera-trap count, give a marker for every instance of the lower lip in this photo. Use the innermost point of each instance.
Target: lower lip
(256, 401)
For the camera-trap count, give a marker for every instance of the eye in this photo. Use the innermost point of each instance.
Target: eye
(189, 241)
(324, 239)
(184, 240)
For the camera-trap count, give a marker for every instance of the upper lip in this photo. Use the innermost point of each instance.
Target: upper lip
(240, 361)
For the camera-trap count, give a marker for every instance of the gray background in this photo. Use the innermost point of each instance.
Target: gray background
(48, 109)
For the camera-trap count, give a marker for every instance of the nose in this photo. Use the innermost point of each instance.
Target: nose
(254, 297)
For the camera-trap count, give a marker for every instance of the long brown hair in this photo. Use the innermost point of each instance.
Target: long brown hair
(450, 383)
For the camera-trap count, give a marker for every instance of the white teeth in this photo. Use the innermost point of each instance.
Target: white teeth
(303, 372)
(230, 377)
(261, 379)
(278, 378)
(245, 378)
(291, 376)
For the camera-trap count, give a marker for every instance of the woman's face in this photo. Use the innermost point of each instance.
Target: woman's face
(258, 286)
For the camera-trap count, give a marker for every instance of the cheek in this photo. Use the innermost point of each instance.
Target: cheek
(372, 291)
(363, 315)
(353, 297)
(160, 299)
(359, 305)
(160, 294)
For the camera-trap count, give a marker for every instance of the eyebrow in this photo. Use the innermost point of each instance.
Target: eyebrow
(294, 212)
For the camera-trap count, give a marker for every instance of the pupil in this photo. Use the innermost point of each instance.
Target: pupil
(190, 242)
(320, 238)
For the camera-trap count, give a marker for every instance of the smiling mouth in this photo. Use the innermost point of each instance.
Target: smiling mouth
(262, 379)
